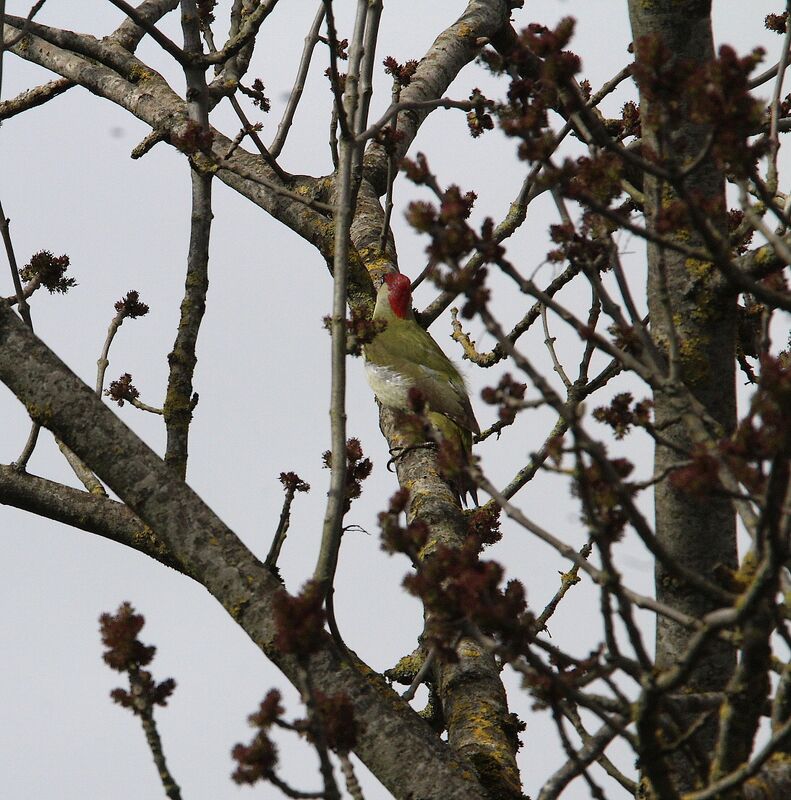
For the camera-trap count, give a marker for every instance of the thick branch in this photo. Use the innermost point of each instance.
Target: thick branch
(145, 94)
(453, 49)
(88, 512)
(473, 699)
(700, 536)
(213, 555)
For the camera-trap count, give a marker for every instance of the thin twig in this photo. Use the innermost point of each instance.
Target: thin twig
(549, 341)
(334, 138)
(147, 143)
(34, 9)
(578, 763)
(573, 716)
(244, 36)
(154, 741)
(319, 739)
(765, 76)
(326, 564)
(83, 473)
(517, 213)
(774, 139)
(367, 63)
(178, 402)
(391, 173)
(168, 45)
(24, 311)
(335, 81)
(145, 407)
(277, 188)
(497, 353)
(21, 298)
(31, 98)
(567, 580)
(261, 147)
(282, 527)
(299, 84)
(247, 126)
(599, 576)
(420, 675)
(103, 361)
(289, 791)
(782, 250)
(412, 105)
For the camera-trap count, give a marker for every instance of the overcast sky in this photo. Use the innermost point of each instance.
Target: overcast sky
(69, 186)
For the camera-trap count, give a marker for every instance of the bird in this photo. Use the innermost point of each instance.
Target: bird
(403, 363)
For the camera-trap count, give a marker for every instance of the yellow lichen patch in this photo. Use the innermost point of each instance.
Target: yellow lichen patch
(694, 362)
(487, 750)
(703, 275)
(423, 503)
(768, 781)
(743, 577)
(407, 667)
(237, 609)
(465, 30)
(764, 256)
(697, 268)
(138, 73)
(145, 538)
(468, 651)
(40, 413)
(375, 262)
(203, 164)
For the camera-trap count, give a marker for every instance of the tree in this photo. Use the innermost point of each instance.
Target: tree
(704, 711)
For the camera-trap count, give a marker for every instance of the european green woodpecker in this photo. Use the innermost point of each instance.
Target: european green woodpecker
(404, 357)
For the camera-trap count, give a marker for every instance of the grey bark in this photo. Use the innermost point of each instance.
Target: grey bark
(702, 320)
(208, 551)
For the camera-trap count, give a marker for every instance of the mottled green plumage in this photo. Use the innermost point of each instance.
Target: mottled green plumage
(404, 356)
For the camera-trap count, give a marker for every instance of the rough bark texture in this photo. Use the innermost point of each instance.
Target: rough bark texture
(702, 320)
(83, 510)
(213, 555)
(106, 68)
(473, 700)
(693, 321)
(474, 704)
(182, 359)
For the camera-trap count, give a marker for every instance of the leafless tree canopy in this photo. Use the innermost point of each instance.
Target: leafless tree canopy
(689, 176)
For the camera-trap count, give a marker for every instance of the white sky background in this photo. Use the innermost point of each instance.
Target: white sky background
(69, 186)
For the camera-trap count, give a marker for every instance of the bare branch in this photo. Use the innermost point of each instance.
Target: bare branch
(215, 556)
(31, 98)
(311, 40)
(142, 21)
(345, 194)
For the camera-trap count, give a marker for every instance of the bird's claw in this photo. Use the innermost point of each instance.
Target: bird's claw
(400, 452)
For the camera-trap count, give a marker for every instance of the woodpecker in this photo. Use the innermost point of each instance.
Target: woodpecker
(403, 357)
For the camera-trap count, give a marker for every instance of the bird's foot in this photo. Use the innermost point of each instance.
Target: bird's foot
(400, 452)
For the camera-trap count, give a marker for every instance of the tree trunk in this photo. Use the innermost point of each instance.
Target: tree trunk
(693, 317)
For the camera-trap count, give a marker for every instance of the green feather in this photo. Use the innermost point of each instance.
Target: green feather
(404, 356)
(408, 351)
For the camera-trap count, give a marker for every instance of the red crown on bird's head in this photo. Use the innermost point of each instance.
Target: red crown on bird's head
(399, 293)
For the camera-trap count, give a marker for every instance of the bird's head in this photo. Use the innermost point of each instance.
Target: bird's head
(399, 294)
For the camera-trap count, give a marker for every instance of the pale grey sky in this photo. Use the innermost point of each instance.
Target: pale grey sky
(69, 186)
